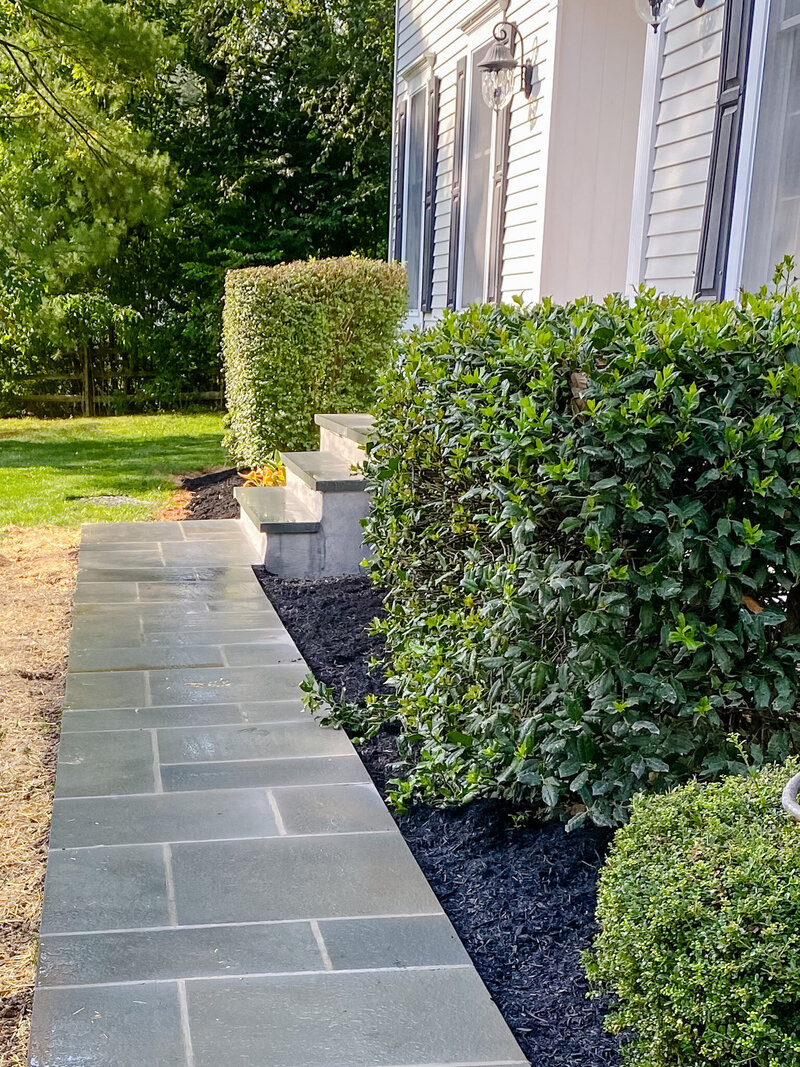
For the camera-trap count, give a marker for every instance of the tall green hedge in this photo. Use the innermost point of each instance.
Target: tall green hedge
(699, 913)
(588, 520)
(302, 338)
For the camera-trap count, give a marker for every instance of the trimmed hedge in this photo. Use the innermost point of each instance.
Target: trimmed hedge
(301, 338)
(699, 912)
(588, 520)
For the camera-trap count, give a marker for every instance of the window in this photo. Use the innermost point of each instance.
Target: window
(474, 255)
(415, 197)
(773, 227)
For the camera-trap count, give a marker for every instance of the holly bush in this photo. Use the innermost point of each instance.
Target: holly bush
(699, 939)
(588, 521)
(302, 338)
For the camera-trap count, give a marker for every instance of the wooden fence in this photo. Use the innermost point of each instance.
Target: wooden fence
(97, 393)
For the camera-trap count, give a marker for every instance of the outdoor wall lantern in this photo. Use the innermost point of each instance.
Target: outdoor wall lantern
(653, 12)
(498, 69)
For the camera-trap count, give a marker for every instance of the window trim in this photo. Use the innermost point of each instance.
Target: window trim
(419, 78)
(400, 181)
(715, 238)
(471, 58)
(456, 185)
(740, 215)
(429, 205)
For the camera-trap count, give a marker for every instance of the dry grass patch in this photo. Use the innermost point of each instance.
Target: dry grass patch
(177, 508)
(37, 576)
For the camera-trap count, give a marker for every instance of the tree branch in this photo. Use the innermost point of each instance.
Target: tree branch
(25, 65)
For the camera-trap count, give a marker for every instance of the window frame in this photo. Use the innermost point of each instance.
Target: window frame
(473, 53)
(420, 78)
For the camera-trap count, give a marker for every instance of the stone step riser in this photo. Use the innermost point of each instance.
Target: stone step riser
(320, 503)
(312, 555)
(336, 548)
(304, 493)
(339, 446)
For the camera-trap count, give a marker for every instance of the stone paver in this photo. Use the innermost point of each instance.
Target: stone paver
(225, 887)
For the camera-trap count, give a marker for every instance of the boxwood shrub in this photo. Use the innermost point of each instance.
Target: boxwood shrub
(301, 338)
(699, 909)
(588, 521)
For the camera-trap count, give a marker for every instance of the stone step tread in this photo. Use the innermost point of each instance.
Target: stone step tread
(355, 427)
(273, 509)
(323, 472)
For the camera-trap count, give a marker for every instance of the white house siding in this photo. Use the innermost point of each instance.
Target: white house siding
(446, 30)
(528, 158)
(680, 145)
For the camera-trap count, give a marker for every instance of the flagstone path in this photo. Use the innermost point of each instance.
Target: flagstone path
(225, 887)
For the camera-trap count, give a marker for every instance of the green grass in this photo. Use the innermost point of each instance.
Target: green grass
(48, 467)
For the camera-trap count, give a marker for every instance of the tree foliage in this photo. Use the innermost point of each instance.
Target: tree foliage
(148, 145)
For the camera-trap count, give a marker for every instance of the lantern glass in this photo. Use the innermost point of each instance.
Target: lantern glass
(497, 87)
(654, 12)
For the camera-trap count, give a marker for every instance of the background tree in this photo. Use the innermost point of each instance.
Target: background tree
(149, 145)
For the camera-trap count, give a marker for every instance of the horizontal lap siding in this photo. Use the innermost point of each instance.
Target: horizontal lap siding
(527, 160)
(682, 140)
(434, 26)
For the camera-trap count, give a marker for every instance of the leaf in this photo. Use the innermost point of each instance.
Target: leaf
(457, 737)
(657, 765)
(529, 775)
(579, 781)
(644, 725)
(717, 593)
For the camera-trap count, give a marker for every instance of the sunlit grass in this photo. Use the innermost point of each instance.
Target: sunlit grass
(49, 468)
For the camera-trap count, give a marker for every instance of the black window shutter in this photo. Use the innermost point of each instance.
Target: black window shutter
(455, 193)
(502, 130)
(429, 218)
(715, 238)
(400, 184)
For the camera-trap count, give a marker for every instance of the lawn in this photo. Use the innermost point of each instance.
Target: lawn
(50, 469)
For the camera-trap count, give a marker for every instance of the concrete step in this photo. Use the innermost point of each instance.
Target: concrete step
(305, 537)
(345, 435)
(274, 509)
(322, 472)
(311, 527)
(286, 532)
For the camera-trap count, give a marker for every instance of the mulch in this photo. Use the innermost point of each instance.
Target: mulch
(212, 495)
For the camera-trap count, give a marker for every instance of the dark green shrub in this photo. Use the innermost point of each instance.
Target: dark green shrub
(302, 338)
(699, 909)
(588, 594)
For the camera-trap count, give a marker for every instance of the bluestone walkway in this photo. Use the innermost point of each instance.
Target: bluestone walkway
(225, 887)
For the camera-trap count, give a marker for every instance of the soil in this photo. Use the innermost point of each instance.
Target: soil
(521, 898)
(37, 576)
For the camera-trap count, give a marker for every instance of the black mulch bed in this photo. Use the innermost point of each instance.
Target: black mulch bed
(212, 495)
(521, 899)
